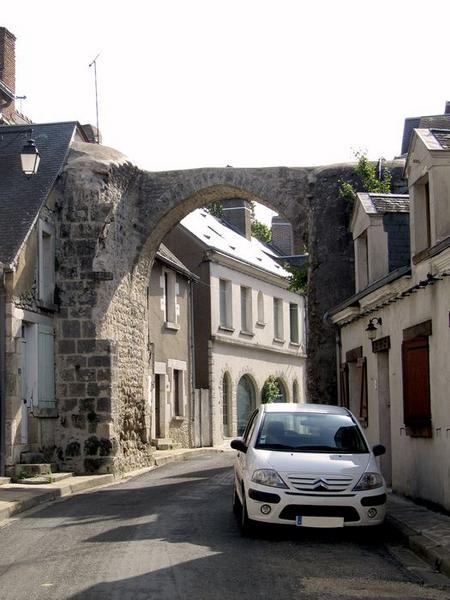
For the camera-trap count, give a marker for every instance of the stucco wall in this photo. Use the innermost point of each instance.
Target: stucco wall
(420, 465)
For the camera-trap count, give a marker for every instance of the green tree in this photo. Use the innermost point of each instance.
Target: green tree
(271, 390)
(367, 172)
(261, 232)
(215, 209)
(298, 278)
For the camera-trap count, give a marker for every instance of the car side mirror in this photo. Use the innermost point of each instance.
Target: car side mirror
(238, 444)
(378, 450)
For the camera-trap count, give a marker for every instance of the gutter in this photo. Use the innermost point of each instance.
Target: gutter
(2, 371)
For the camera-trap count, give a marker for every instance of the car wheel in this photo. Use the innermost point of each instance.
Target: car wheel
(236, 502)
(247, 525)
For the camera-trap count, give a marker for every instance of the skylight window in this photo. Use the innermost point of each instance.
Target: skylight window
(216, 232)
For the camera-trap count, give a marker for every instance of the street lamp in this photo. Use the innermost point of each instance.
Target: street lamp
(30, 158)
(372, 327)
(29, 155)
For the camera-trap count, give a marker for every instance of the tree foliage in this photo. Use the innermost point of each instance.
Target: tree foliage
(371, 182)
(261, 232)
(271, 390)
(298, 278)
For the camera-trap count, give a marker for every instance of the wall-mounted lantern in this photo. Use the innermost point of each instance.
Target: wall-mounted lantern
(30, 158)
(372, 327)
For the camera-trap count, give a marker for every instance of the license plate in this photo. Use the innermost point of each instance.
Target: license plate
(301, 521)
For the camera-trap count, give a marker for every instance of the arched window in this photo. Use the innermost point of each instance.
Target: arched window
(273, 390)
(246, 402)
(295, 395)
(226, 404)
(260, 308)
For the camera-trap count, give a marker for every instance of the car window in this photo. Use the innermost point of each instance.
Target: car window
(250, 427)
(311, 432)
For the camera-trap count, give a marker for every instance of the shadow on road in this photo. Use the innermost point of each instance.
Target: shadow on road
(180, 540)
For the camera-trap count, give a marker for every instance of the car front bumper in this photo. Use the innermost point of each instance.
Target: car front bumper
(353, 509)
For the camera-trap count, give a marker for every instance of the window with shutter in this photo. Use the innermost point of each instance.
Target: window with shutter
(46, 370)
(416, 386)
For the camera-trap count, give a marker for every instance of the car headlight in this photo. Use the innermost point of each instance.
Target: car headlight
(268, 477)
(369, 481)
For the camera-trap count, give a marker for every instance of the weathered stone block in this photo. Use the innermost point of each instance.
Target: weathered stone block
(66, 346)
(86, 375)
(77, 389)
(71, 329)
(99, 361)
(104, 405)
(78, 421)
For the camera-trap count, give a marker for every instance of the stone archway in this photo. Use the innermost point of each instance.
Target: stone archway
(112, 219)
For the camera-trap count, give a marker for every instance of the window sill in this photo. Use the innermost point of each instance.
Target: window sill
(172, 326)
(48, 306)
(178, 418)
(278, 341)
(424, 431)
(46, 413)
(225, 328)
(247, 333)
(294, 344)
(260, 324)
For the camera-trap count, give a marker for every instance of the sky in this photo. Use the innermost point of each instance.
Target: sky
(248, 83)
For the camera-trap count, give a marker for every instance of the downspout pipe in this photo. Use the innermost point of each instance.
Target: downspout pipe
(337, 330)
(192, 359)
(2, 371)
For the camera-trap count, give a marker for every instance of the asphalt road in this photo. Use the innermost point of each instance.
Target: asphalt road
(170, 535)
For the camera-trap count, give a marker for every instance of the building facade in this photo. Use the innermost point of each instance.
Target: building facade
(170, 338)
(395, 332)
(248, 325)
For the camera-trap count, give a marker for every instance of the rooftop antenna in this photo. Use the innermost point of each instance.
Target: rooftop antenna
(94, 62)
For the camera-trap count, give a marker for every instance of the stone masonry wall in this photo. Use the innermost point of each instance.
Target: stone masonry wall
(112, 218)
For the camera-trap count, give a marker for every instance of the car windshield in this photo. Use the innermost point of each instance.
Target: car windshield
(310, 432)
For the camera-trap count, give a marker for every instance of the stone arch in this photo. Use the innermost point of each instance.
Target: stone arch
(111, 219)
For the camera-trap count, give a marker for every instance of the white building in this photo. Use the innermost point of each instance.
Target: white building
(248, 325)
(398, 381)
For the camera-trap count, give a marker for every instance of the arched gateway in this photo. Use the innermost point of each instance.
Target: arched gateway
(112, 220)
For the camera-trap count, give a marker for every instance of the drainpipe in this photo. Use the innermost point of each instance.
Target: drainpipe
(2, 371)
(192, 358)
(337, 332)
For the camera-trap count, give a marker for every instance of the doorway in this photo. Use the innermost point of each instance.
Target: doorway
(384, 415)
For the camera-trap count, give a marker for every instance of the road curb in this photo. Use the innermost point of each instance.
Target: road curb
(434, 554)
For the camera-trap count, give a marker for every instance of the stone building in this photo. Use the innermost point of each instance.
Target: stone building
(248, 325)
(28, 296)
(171, 342)
(394, 333)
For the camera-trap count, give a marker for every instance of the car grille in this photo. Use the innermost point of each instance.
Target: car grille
(291, 511)
(319, 483)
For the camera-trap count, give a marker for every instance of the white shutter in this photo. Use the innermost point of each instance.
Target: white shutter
(46, 368)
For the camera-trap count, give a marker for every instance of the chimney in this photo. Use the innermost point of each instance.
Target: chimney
(237, 213)
(7, 72)
(447, 108)
(282, 235)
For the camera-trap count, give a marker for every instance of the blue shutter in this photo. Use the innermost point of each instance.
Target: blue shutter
(46, 368)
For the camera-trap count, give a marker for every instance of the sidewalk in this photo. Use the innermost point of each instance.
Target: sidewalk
(426, 532)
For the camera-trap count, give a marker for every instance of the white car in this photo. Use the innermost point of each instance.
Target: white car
(307, 465)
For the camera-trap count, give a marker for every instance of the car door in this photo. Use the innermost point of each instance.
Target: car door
(240, 463)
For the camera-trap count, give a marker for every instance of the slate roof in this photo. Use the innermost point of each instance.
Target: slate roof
(21, 198)
(427, 122)
(216, 235)
(384, 203)
(168, 257)
(435, 139)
